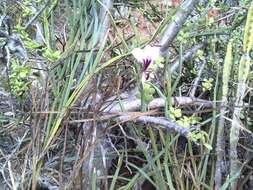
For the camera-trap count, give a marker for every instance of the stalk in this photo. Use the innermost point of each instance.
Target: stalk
(243, 73)
(220, 145)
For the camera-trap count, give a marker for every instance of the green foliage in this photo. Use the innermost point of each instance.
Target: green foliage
(183, 120)
(27, 11)
(19, 78)
(175, 113)
(156, 66)
(201, 137)
(183, 37)
(28, 42)
(207, 84)
(51, 55)
(227, 69)
(248, 31)
(199, 56)
(148, 92)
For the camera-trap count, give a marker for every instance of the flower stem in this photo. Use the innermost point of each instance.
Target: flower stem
(167, 84)
(143, 101)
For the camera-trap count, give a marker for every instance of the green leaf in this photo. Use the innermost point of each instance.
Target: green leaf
(178, 113)
(51, 55)
(208, 146)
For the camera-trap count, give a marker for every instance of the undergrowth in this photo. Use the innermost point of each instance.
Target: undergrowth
(101, 94)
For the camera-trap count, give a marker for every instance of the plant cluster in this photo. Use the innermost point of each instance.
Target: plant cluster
(126, 94)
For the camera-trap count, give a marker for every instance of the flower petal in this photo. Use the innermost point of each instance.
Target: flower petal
(146, 63)
(149, 52)
(155, 53)
(138, 53)
(152, 53)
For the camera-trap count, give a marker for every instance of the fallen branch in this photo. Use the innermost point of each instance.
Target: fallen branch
(135, 104)
(161, 121)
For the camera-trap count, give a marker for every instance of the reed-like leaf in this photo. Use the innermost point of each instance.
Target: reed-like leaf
(243, 73)
(220, 145)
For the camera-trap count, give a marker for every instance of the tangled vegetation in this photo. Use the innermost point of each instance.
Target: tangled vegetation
(116, 94)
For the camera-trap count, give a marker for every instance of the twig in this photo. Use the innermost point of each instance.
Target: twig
(196, 81)
(186, 56)
(62, 157)
(12, 176)
(7, 62)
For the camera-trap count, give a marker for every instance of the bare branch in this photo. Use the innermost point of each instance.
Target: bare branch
(186, 56)
(173, 28)
(165, 123)
(135, 104)
(106, 5)
(196, 81)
